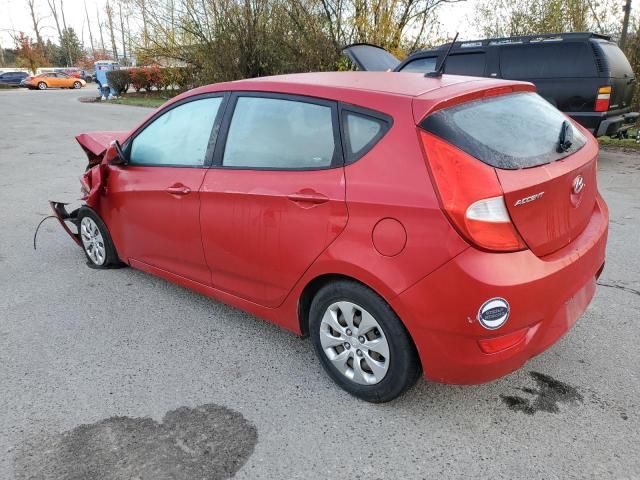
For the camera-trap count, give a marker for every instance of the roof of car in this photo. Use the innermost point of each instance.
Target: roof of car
(396, 83)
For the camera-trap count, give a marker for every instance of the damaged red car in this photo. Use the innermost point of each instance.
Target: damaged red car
(447, 226)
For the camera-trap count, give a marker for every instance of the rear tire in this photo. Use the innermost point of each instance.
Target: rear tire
(96, 241)
(361, 342)
(77, 85)
(42, 86)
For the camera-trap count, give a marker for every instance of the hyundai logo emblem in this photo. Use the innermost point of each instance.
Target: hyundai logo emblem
(578, 184)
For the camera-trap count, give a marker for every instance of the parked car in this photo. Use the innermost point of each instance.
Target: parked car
(54, 80)
(73, 72)
(585, 75)
(446, 225)
(12, 78)
(88, 75)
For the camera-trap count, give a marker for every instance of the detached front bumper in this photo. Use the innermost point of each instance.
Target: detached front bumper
(546, 297)
(64, 218)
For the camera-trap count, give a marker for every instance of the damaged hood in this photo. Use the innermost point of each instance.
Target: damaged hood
(96, 143)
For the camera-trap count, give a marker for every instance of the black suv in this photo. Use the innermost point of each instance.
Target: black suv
(583, 74)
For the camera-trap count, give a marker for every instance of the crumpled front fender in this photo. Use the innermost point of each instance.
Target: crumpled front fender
(60, 212)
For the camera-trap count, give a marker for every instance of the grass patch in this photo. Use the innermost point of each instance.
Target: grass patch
(146, 99)
(628, 143)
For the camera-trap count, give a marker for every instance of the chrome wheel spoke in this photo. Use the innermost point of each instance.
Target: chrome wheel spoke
(359, 375)
(339, 360)
(378, 345)
(348, 311)
(367, 323)
(330, 318)
(377, 368)
(328, 340)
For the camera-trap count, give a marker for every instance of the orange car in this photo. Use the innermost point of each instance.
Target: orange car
(53, 80)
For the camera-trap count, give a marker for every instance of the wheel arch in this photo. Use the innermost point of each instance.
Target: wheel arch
(313, 287)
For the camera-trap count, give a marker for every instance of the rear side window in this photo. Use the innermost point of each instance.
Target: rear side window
(519, 130)
(362, 131)
(553, 60)
(617, 63)
(471, 64)
(422, 65)
(280, 134)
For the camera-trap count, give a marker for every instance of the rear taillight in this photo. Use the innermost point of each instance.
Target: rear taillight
(603, 98)
(471, 196)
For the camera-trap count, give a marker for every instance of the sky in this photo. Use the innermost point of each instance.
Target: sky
(14, 17)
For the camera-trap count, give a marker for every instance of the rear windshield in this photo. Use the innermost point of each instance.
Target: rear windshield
(519, 130)
(617, 62)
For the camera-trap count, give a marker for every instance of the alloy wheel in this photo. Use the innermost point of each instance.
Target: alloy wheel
(92, 241)
(354, 342)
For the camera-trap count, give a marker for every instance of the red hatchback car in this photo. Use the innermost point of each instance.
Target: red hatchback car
(450, 226)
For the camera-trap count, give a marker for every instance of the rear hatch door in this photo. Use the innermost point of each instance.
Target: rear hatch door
(370, 58)
(551, 204)
(548, 178)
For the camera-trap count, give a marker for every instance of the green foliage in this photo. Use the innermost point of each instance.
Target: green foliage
(68, 53)
(180, 78)
(119, 80)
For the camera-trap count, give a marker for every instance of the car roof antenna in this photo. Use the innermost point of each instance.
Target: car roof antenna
(439, 71)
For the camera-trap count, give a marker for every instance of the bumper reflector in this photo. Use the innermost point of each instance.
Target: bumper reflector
(497, 344)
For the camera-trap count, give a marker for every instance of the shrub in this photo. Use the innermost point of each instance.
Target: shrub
(119, 80)
(138, 78)
(146, 78)
(180, 78)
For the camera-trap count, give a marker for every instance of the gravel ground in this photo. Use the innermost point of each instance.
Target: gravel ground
(103, 371)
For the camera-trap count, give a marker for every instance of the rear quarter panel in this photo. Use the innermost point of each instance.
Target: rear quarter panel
(391, 181)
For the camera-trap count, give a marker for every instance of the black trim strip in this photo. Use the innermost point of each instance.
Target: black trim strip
(386, 122)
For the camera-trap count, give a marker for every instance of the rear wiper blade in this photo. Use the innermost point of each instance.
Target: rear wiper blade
(565, 137)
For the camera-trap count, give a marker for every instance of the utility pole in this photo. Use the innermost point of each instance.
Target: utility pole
(625, 24)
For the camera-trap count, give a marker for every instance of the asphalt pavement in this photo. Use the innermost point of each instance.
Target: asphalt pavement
(116, 374)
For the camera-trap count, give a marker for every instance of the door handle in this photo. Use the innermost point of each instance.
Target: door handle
(314, 198)
(178, 190)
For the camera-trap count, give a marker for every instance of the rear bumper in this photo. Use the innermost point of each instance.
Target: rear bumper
(605, 123)
(546, 297)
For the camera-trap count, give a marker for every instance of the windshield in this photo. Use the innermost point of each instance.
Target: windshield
(519, 130)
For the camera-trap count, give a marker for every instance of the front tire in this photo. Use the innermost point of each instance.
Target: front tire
(361, 342)
(42, 86)
(96, 241)
(77, 85)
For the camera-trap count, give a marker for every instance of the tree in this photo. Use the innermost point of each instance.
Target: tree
(70, 47)
(396, 25)
(109, 11)
(54, 12)
(35, 19)
(497, 18)
(29, 54)
(86, 12)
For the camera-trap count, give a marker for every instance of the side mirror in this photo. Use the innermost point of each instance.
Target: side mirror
(115, 154)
